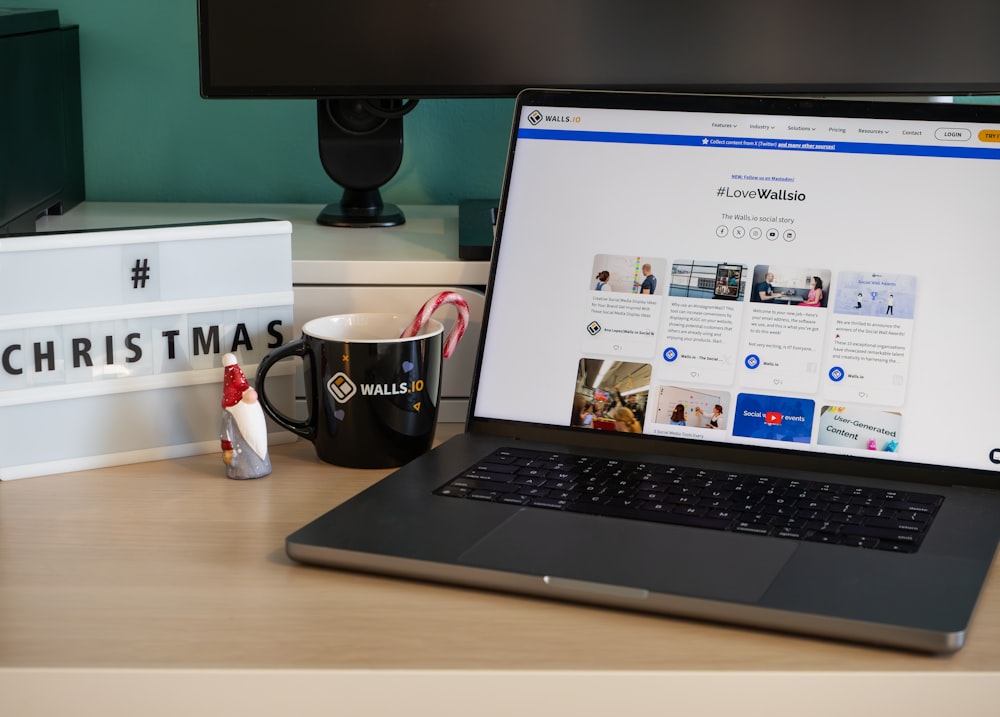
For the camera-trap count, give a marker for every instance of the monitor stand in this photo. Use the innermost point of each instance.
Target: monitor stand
(361, 148)
(361, 209)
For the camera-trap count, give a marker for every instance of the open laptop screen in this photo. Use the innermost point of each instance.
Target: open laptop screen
(796, 275)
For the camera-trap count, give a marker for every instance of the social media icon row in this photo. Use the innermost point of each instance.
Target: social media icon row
(739, 232)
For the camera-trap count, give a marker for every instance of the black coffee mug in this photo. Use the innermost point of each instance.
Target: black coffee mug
(372, 397)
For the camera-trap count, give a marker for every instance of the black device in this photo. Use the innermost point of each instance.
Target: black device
(41, 137)
(361, 60)
(477, 220)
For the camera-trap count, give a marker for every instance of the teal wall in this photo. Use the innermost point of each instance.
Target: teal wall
(149, 136)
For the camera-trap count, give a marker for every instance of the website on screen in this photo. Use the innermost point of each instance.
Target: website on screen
(823, 284)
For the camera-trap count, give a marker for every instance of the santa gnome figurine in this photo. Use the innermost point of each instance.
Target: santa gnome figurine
(244, 431)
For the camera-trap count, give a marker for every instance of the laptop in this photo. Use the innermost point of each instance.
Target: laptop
(737, 363)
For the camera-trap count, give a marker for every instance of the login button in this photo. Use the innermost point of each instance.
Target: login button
(953, 134)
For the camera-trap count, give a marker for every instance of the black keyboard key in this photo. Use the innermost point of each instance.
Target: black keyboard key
(488, 475)
(895, 536)
(451, 490)
(484, 485)
(793, 533)
(552, 503)
(650, 515)
(495, 467)
(859, 541)
(896, 524)
(933, 500)
(910, 506)
(742, 526)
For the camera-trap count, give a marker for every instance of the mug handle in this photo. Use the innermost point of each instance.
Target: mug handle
(296, 347)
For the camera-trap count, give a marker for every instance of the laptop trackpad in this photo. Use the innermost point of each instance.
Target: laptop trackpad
(659, 558)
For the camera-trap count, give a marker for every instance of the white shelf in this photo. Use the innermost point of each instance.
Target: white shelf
(423, 251)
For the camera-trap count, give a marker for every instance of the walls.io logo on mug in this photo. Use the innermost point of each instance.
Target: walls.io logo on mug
(341, 387)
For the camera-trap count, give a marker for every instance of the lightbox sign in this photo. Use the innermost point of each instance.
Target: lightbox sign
(111, 342)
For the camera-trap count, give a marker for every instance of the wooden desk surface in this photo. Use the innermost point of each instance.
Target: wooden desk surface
(169, 568)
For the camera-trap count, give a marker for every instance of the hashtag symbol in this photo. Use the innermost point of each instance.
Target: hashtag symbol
(720, 192)
(140, 273)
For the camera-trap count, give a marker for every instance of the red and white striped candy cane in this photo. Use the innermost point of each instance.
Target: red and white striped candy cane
(432, 305)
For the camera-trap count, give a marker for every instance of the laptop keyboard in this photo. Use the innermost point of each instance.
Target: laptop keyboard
(718, 500)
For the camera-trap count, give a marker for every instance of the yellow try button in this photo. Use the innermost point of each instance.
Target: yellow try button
(989, 135)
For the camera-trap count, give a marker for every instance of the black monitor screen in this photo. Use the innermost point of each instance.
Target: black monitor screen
(473, 48)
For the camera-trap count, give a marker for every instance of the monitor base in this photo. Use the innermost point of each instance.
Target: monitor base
(337, 215)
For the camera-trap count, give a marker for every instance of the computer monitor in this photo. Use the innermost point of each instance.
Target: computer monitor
(367, 63)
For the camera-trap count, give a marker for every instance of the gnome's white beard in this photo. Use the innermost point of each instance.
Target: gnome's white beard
(250, 420)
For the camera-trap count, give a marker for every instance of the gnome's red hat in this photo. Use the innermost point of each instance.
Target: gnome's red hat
(234, 383)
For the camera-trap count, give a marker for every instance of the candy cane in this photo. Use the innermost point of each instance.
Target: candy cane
(432, 305)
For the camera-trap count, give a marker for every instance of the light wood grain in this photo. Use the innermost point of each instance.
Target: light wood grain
(171, 565)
